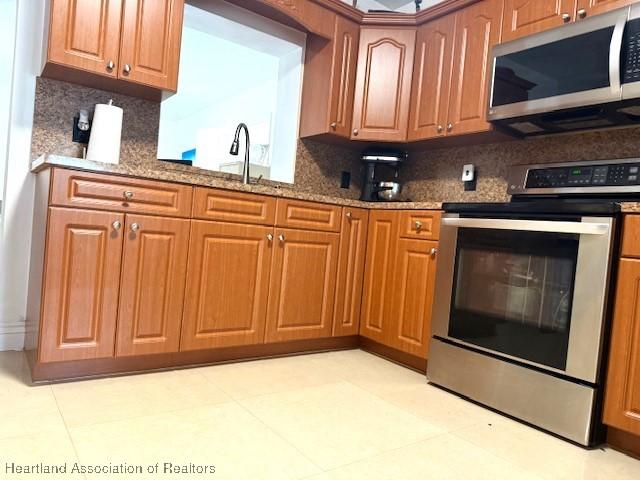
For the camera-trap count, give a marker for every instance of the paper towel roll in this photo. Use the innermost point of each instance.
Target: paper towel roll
(106, 131)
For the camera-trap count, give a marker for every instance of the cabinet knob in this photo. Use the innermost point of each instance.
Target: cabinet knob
(418, 225)
(116, 225)
(270, 237)
(440, 128)
(135, 227)
(281, 238)
(128, 195)
(110, 65)
(333, 125)
(433, 252)
(566, 18)
(449, 127)
(355, 132)
(348, 215)
(126, 68)
(582, 13)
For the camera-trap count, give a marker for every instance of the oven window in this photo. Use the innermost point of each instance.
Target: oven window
(576, 64)
(513, 293)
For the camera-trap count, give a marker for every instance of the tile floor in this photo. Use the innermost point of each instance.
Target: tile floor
(332, 416)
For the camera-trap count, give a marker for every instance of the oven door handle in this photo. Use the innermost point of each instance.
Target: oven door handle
(578, 228)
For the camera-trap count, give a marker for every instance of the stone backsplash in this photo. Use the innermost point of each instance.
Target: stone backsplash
(431, 176)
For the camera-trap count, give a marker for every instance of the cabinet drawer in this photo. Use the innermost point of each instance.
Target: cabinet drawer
(631, 236)
(72, 188)
(227, 206)
(308, 215)
(420, 224)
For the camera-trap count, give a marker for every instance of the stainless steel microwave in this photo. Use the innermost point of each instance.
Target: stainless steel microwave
(580, 76)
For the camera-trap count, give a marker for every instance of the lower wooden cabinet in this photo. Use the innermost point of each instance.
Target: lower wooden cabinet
(152, 285)
(399, 282)
(622, 392)
(302, 286)
(412, 296)
(227, 285)
(81, 283)
(353, 248)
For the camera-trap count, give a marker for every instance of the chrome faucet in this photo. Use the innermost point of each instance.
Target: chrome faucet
(235, 147)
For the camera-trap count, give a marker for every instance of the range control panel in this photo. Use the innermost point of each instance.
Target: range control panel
(612, 175)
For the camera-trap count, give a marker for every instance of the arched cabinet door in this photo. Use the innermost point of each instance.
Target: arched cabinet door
(525, 17)
(383, 84)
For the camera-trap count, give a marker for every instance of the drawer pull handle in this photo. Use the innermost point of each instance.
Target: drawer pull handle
(116, 225)
(281, 238)
(418, 225)
(128, 195)
(135, 227)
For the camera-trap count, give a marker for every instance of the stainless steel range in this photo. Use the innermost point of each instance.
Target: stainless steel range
(521, 294)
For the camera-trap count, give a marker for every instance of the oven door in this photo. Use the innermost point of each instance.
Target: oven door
(571, 66)
(533, 291)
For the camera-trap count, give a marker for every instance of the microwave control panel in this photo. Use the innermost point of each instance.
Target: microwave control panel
(631, 52)
(614, 175)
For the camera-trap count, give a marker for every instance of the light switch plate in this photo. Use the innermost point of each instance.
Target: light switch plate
(468, 172)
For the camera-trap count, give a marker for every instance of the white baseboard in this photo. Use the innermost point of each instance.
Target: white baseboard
(12, 336)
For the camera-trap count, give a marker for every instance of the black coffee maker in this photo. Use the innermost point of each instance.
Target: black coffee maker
(381, 175)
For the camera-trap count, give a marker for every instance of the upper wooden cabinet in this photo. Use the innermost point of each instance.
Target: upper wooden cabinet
(432, 79)
(383, 84)
(622, 392)
(134, 40)
(525, 17)
(329, 81)
(477, 30)
(81, 283)
(150, 47)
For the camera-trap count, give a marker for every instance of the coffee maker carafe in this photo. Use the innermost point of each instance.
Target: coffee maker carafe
(381, 175)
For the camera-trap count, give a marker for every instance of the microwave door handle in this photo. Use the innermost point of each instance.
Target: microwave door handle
(615, 54)
(578, 228)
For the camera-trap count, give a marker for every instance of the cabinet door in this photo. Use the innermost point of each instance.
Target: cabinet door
(227, 285)
(622, 392)
(85, 34)
(353, 247)
(150, 48)
(383, 84)
(376, 297)
(81, 281)
(431, 79)
(303, 281)
(413, 285)
(525, 17)
(154, 267)
(345, 58)
(588, 8)
(477, 30)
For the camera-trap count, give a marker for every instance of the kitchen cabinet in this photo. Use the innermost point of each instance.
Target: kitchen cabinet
(399, 281)
(588, 8)
(227, 285)
(526, 17)
(412, 297)
(152, 284)
(351, 261)
(81, 283)
(302, 285)
(130, 40)
(622, 392)
(432, 79)
(477, 30)
(383, 84)
(329, 81)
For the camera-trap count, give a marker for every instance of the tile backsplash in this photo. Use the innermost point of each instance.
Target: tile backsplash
(428, 176)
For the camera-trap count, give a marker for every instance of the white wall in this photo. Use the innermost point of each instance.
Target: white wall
(15, 227)
(7, 25)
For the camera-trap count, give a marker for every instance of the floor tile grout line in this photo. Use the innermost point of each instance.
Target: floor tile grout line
(66, 427)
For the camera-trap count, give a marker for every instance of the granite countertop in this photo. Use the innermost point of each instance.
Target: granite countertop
(172, 172)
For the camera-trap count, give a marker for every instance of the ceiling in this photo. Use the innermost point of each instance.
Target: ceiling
(403, 6)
